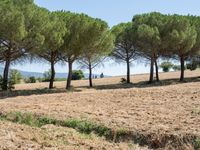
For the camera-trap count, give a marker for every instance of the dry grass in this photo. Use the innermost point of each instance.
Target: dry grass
(171, 108)
(49, 137)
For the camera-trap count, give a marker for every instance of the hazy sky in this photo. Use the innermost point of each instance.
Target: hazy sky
(114, 12)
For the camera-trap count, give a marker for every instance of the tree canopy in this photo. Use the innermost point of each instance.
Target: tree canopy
(27, 29)
(51, 49)
(149, 32)
(22, 23)
(125, 45)
(99, 45)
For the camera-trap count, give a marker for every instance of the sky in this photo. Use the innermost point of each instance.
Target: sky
(114, 12)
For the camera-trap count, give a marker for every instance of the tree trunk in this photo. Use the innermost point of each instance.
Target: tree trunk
(5, 75)
(157, 73)
(52, 75)
(90, 75)
(128, 71)
(69, 78)
(182, 61)
(151, 71)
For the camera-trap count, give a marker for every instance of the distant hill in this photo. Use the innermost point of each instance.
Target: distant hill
(40, 75)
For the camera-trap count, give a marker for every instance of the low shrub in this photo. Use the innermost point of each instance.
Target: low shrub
(166, 66)
(176, 67)
(192, 65)
(31, 79)
(197, 143)
(22, 118)
(87, 127)
(77, 75)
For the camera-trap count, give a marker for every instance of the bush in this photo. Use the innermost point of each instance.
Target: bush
(166, 66)
(10, 83)
(101, 75)
(15, 76)
(193, 65)
(77, 75)
(30, 80)
(197, 143)
(176, 67)
(46, 76)
(60, 79)
(21, 118)
(39, 79)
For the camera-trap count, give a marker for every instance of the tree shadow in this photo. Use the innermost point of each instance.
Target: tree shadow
(142, 84)
(146, 84)
(15, 93)
(166, 82)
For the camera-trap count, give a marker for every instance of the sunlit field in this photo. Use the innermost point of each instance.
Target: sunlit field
(59, 62)
(164, 115)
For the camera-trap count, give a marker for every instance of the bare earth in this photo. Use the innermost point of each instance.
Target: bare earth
(173, 108)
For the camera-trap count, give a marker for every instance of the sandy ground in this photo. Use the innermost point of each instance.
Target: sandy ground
(173, 108)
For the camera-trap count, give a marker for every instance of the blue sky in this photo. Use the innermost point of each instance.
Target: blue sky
(114, 12)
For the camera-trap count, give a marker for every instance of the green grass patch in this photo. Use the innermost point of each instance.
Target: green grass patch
(197, 143)
(121, 132)
(22, 118)
(82, 126)
(87, 127)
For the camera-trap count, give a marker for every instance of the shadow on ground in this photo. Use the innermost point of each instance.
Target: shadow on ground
(15, 93)
(143, 84)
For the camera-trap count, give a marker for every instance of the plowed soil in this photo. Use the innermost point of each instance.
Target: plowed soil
(168, 108)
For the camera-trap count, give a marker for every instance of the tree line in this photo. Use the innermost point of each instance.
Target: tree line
(28, 31)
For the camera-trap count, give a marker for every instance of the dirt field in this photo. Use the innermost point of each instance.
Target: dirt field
(169, 108)
(49, 137)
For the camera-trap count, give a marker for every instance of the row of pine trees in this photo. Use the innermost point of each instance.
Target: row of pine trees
(28, 31)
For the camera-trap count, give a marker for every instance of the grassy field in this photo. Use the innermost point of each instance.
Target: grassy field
(164, 115)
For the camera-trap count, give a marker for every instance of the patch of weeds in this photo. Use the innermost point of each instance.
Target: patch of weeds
(104, 131)
(87, 127)
(83, 126)
(46, 120)
(21, 118)
(29, 119)
(121, 132)
(197, 144)
(71, 123)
